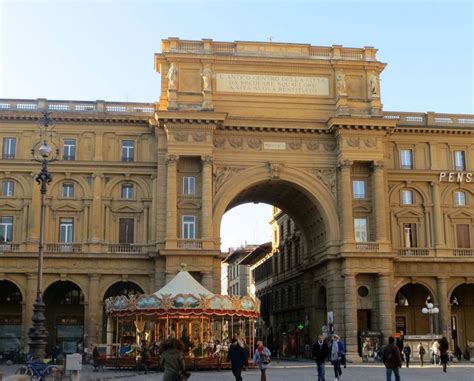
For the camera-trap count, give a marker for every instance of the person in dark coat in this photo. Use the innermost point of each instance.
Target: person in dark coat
(237, 357)
(407, 354)
(146, 356)
(443, 351)
(320, 354)
(392, 359)
(172, 359)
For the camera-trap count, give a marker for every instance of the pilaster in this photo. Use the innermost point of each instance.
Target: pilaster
(379, 201)
(97, 227)
(444, 308)
(346, 202)
(350, 315)
(92, 323)
(207, 225)
(171, 202)
(385, 305)
(437, 216)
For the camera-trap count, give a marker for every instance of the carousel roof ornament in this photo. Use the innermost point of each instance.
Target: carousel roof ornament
(182, 296)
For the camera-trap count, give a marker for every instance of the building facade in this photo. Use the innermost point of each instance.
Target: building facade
(238, 275)
(383, 201)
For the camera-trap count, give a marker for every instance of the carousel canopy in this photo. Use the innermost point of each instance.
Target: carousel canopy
(183, 295)
(183, 283)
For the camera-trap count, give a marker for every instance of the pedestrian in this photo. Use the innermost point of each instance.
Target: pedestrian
(421, 352)
(457, 352)
(320, 354)
(406, 354)
(172, 360)
(392, 360)
(262, 358)
(237, 357)
(146, 356)
(337, 349)
(435, 353)
(343, 353)
(443, 351)
(96, 358)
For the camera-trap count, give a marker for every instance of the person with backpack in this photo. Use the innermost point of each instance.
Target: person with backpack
(262, 359)
(320, 354)
(392, 360)
(337, 351)
(443, 352)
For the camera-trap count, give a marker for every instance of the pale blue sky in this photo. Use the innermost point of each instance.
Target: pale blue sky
(88, 50)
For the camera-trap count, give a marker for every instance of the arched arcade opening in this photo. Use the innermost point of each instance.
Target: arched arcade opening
(10, 318)
(462, 315)
(409, 302)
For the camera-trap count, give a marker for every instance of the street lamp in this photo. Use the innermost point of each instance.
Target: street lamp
(430, 310)
(42, 152)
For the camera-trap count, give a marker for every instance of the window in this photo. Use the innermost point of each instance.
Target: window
(459, 198)
(189, 227)
(407, 197)
(127, 191)
(9, 148)
(358, 189)
(69, 149)
(406, 159)
(462, 236)
(360, 229)
(68, 190)
(126, 230)
(409, 235)
(66, 230)
(189, 185)
(8, 188)
(6, 229)
(128, 150)
(459, 161)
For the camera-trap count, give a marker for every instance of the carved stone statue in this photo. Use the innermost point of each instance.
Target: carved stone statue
(373, 85)
(206, 78)
(341, 84)
(172, 77)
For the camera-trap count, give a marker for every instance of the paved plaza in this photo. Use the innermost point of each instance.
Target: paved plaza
(286, 371)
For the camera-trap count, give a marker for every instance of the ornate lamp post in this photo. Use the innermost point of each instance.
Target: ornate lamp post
(42, 152)
(430, 310)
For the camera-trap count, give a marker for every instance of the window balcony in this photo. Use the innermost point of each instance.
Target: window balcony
(6, 247)
(62, 247)
(463, 252)
(69, 157)
(414, 252)
(127, 159)
(367, 246)
(8, 156)
(125, 248)
(189, 244)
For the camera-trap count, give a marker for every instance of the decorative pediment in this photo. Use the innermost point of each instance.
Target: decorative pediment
(409, 213)
(188, 204)
(10, 205)
(362, 209)
(460, 214)
(126, 208)
(66, 206)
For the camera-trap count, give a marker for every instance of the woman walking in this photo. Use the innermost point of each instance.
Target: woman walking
(337, 351)
(262, 359)
(421, 352)
(172, 359)
(406, 354)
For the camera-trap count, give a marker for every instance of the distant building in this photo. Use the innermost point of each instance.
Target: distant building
(238, 276)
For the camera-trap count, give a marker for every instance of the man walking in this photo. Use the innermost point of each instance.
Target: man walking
(421, 352)
(392, 359)
(320, 353)
(237, 357)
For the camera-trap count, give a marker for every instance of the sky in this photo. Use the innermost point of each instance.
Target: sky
(91, 50)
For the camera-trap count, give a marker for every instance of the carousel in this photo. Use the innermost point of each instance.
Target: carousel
(183, 309)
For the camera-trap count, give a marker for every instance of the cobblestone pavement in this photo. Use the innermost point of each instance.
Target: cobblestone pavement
(290, 371)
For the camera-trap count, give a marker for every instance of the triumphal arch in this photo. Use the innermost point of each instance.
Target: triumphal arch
(383, 200)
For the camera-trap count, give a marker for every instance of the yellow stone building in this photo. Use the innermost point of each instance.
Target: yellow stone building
(383, 200)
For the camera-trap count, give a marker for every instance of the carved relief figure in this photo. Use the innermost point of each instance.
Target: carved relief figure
(373, 85)
(172, 77)
(206, 78)
(341, 84)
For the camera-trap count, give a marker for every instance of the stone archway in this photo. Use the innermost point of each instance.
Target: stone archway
(409, 301)
(462, 315)
(10, 318)
(64, 313)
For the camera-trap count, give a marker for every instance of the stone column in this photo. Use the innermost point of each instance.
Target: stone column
(92, 311)
(385, 304)
(207, 280)
(437, 216)
(350, 315)
(426, 216)
(379, 201)
(345, 183)
(206, 197)
(153, 219)
(171, 199)
(444, 307)
(97, 227)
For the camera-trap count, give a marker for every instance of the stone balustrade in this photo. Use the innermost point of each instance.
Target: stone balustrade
(429, 119)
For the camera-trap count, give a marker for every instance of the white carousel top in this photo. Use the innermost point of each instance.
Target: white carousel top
(183, 283)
